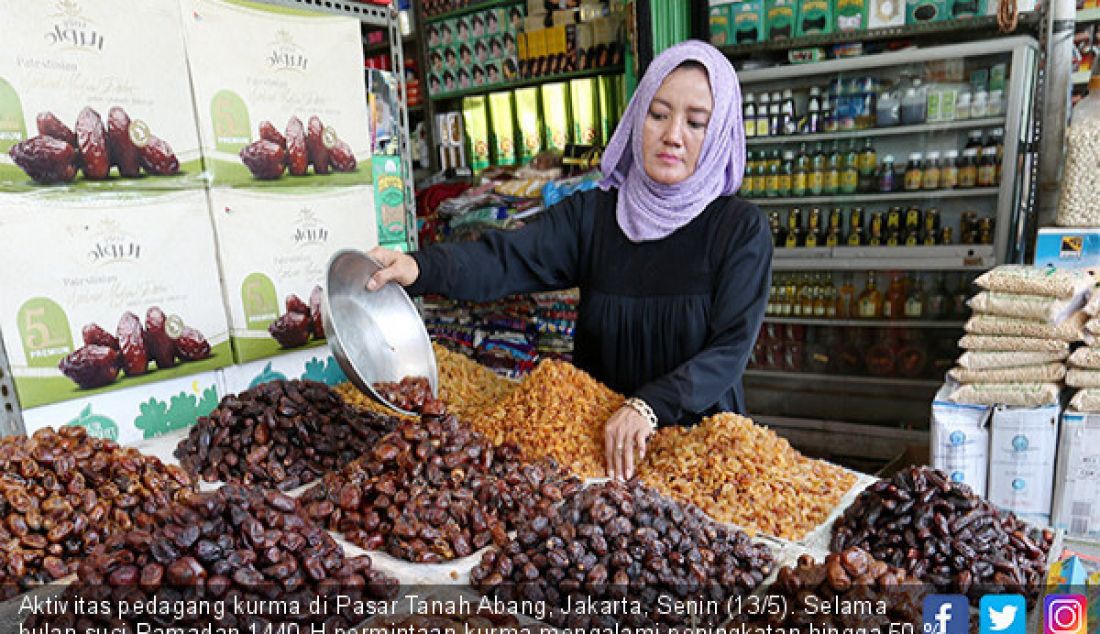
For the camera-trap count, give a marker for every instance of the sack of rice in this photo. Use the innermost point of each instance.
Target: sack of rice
(1039, 308)
(1092, 307)
(1086, 400)
(977, 360)
(1034, 280)
(1011, 394)
(1046, 373)
(1092, 326)
(996, 343)
(1085, 357)
(1072, 329)
(1080, 377)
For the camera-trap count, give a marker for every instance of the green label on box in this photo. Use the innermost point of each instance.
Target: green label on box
(476, 118)
(44, 330)
(779, 21)
(555, 108)
(260, 301)
(97, 426)
(921, 11)
(231, 124)
(12, 128)
(814, 17)
(720, 25)
(747, 21)
(504, 133)
(527, 117)
(389, 198)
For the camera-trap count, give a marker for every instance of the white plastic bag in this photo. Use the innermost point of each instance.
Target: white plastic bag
(1071, 329)
(1036, 280)
(1046, 373)
(1012, 394)
(1077, 204)
(995, 343)
(1048, 310)
(978, 360)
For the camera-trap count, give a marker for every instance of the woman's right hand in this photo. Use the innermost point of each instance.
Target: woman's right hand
(396, 267)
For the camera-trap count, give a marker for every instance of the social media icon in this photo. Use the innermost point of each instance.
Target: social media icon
(1003, 614)
(1065, 614)
(946, 614)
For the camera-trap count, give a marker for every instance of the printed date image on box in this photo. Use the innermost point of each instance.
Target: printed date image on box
(108, 291)
(93, 97)
(279, 94)
(274, 248)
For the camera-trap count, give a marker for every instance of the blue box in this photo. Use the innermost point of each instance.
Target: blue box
(1067, 248)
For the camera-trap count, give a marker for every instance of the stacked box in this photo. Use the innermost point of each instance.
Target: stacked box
(780, 19)
(556, 120)
(502, 115)
(720, 34)
(883, 14)
(815, 17)
(851, 15)
(747, 21)
(59, 58)
(476, 50)
(1023, 444)
(90, 259)
(1077, 482)
(475, 116)
(313, 364)
(275, 244)
(528, 123)
(253, 63)
(584, 96)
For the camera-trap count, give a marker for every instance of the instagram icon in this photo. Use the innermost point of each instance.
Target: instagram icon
(1064, 614)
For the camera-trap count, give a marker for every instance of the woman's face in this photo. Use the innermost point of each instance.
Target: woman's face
(676, 125)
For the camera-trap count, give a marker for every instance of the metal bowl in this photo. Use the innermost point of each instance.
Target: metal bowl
(375, 336)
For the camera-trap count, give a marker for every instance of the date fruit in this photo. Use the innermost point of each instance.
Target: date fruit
(266, 160)
(342, 158)
(191, 345)
(91, 136)
(94, 335)
(158, 158)
(315, 299)
(297, 156)
(50, 125)
(124, 153)
(131, 339)
(315, 143)
(269, 133)
(291, 330)
(161, 347)
(91, 366)
(45, 159)
(294, 304)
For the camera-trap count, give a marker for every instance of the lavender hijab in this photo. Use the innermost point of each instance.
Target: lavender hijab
(647, 210)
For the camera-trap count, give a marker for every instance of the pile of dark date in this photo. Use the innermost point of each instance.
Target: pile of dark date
(63, 492)
(275, 153)
(412, 394)
(246, 548)
(300, 321)
(433, 490)
(281, 434)
(945, 535)
(643, 560)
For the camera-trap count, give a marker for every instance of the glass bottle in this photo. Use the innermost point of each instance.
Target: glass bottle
(783, 298)
(855, 228)
(949, 174)
(801, 175)
(813, 112)
(771, 180)
(747, 190)
(829, 297)
(876, 235)
(817, 171)
(973, 139)
(762, 115)
(959, 308)
(749, 115)
(914, 301)
(779, 233)
(849, 175)
(914, 105)
(814, 235)
(775, 115)
(997, 140)
(833, 235)
(869, 303)
(893, 305)
(773, 292)
(914, 175)
(931, 177)
(792, 296)
(868, 163)
(846, 299)
(794, 228)
(829, 119)
(786, 173)
(987, 167)
(887, 180)
(761, 174)
(968, 168)
(807, 295)
(832, 171)
(936, 300)
(789, 123)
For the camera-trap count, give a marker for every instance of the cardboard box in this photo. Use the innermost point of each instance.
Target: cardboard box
(61, 57)
(584, 100)
(314, 364)
(91, 258)
(1023, 443)
(960, 440)
(1077, 481)
(815, 17)
(389, 199)
(502, 115)
(883, 14)
(133, 414)
(1068, 248)
(273, 244)
(251, 63)
(747, 21)
(720, 34)
(475, 116)
(528, 124)
(923, 11)
(555, 113)
(609, 106)
(850, 15)
(780, 19)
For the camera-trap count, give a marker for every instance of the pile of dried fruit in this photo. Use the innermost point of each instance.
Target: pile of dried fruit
(742, 473)
(412, 394)
(631, 551)
(299, 322)
(274, 153)
(63, 492)
(862, 594)
(559, 412)
(434, 490)
(245, 547)
(466, 386)
(55, 155)
(364, 402)
(944, 534)
(282, 433)
(99, 360)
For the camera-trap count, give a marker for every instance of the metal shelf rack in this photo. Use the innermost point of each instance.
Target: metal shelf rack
(874, 133)
(864, 323)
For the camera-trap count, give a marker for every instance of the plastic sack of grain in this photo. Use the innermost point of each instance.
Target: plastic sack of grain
(1046, 373)
(1081, 377)
(1071, 329)
(1086, 357)
(1086, 400)
(1039, 308)
(995, 343)
(1080, 179)
(1035, 280)
(1092, 307)
(978, 360)
(1012, 394)
(1092, 326)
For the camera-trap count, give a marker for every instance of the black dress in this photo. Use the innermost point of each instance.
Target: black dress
(670, 321)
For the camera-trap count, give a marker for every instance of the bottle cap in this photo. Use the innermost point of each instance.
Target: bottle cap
(889, 158)
(951, 154)
(933, 156)
(914, 157)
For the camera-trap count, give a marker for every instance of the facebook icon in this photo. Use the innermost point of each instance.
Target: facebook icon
(946, 614)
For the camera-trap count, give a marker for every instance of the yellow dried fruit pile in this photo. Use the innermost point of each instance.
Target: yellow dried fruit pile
(742, 473)
(465, 386)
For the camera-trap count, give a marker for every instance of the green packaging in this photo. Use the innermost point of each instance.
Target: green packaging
(475, 116)
(502, 116)
(389, 197)
(965, 8)
(609, 108)
(529, 136)
(850, 15)
(815, 17)
(780, 19)
(720, 34)
(997, 77)
(555, 108)
(747, 21)
(585, 103)
(923, 11)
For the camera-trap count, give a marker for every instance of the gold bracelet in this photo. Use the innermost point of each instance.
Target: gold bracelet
(643, 408)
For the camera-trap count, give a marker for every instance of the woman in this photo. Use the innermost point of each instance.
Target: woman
(673, 270)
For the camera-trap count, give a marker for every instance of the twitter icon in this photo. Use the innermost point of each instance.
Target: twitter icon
(1003, 614)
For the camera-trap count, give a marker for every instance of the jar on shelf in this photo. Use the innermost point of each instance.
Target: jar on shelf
(914, 174)
(888, 110)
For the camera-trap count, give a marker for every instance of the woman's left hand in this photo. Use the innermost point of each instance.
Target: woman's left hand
(624, 437)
